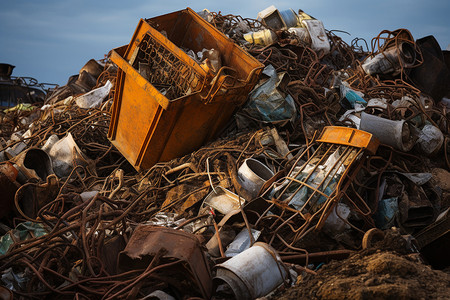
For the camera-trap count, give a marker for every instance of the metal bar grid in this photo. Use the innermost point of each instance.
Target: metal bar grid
(166, 71)
(302, 200)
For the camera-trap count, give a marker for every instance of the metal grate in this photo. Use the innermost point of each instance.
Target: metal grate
(165, 71)
(318, 180)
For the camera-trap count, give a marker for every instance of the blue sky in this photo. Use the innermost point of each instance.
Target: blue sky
(51, 40)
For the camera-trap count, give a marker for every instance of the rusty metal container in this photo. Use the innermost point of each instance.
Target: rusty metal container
(165, 104)
(148, 240)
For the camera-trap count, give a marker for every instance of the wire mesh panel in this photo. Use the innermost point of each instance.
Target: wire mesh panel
(165, 71)
(306, 196)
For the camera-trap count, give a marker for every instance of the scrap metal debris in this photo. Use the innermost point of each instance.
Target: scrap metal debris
(149, 175)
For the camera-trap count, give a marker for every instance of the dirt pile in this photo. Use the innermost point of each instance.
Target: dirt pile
(378, 275)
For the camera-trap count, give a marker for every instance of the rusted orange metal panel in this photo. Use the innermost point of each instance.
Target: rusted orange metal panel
(350, 137)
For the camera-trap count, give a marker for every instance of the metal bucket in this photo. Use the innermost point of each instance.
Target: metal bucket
(393, 133)
(290, 18)
(263, 37)
(252, 175)
(391, 60)
(253, 273)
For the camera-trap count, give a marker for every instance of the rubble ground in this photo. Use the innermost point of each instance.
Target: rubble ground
(373, 274)
(387, 270)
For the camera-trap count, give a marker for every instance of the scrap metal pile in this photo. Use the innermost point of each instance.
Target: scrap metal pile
(217, 156)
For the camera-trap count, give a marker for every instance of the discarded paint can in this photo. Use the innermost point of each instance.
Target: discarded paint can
(15, 150)
(223, 200)
(289, 17)
(393, 133)
(275, 19)
(252, 175)
(253, 273)
(263, 37)
(391, 60)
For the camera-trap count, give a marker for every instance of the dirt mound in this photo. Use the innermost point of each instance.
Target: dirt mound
(380, 275)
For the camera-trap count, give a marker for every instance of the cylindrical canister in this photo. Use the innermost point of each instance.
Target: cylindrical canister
(397, 134)
(263, 37)
(290, 18)
(252, 175)
(253, 273)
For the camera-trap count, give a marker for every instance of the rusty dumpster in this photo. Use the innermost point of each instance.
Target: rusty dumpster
(165, 104)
